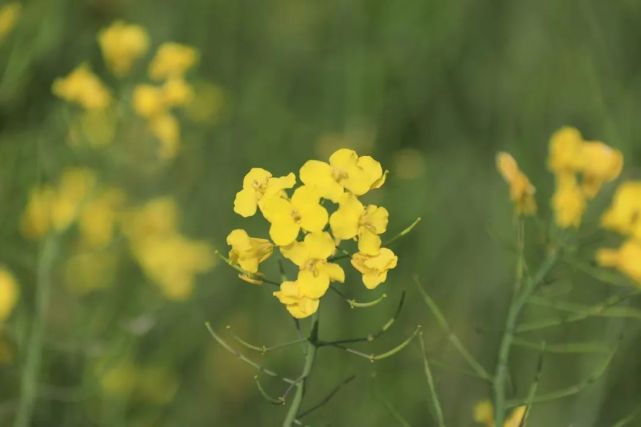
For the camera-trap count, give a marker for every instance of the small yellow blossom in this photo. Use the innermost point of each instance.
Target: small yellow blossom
(55, 209)
(177, 92)
(248, 252)
(9, 15)
(298, 305)
(288, 217)
(259, 184)
(484, 414)
(624, 216)
(521, 190)
(311, 255)
(98, 218)
(599, 164)
(374, 268)
(85, 272)
(345, 171)
(352, 219)
(172, 60)
(121, 45)
(568, 202)
(565, 150)
(627, 259)
(8, 293)
(148, 100)
(166, 128)
(83, 87)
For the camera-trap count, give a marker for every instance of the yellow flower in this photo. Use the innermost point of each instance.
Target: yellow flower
(374, 268)
(287, 217)
(55, 209)
(121, 45)
(624, 216)
(83, 87)
(352, 219)
(599, 164)
(98, 218)
(8, 293)
(310, 256)
(259, 184)
(346, 170)
(298, 305)
(177, 92)
(9, 15)
(155, 217)
(148, 100)
(172, 60)
(248, 252)
(568, 201)
(521, 190)
(565, 150)
(484, 414)
(166, 129)
(627, 259)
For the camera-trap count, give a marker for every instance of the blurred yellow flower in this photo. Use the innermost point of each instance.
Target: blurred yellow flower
(121, 45)
(521, 190)
(172, 60)
(568, 201)
(9, 15)
(565, 150)
(626, 259)
(177, 92)
(248, 252)
(346, 170)
(148, 100)
(288, 217)
(99, 215)
(54, 209)
(298, 305)
(311, 256)
(352, 219)
(374, 268)
(166, 129)
(599, 164)
(259, 184)
(83, 87)
(624, 215)
(168, 258)
(8, 293)
(484, 414)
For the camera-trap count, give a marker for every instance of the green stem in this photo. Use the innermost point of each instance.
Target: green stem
(310, 356)
(31, 369)
(517, 304)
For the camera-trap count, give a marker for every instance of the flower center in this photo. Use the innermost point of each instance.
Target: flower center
(296, 216)
(339, 174)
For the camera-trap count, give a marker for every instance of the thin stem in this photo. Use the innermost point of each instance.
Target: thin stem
(452, 338)
(262, 348)
(514, 311)
(533, 389)
(433, 394)
(328, 397)
(31, 370)
(310, 356)
(569, 347)
(380, 356)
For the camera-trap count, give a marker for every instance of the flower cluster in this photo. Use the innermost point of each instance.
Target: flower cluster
(170, 259)
(307, 233)
(580, 168)
(624, 217)
(122, 44)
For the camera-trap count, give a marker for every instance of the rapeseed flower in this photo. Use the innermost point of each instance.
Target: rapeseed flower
(626, 259)
(484, 414)
(259, 184)
(599, 164)
(296, 303)
(374, 268)
(172, 60)
(84, 88)
(624, 215)
(166, 129)
(248, 252)
(8, 293)
(121, 44)
(9, 15)
(345, 171)
(521, 189)
(99, 215)
(568, 201)
(353, 219)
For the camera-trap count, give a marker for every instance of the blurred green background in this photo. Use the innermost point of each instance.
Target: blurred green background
(432, 89)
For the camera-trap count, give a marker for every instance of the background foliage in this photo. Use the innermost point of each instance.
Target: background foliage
(432, 89)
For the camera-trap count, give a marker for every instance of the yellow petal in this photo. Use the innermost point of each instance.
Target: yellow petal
(376, 218)
(335, 272)
(320, 245)
(344, 221)
(245, 202)
(284, 232)
(297, 252)
(374, 170)
(368, 242)
(256, 177)
(311, 285)
(318, 175)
